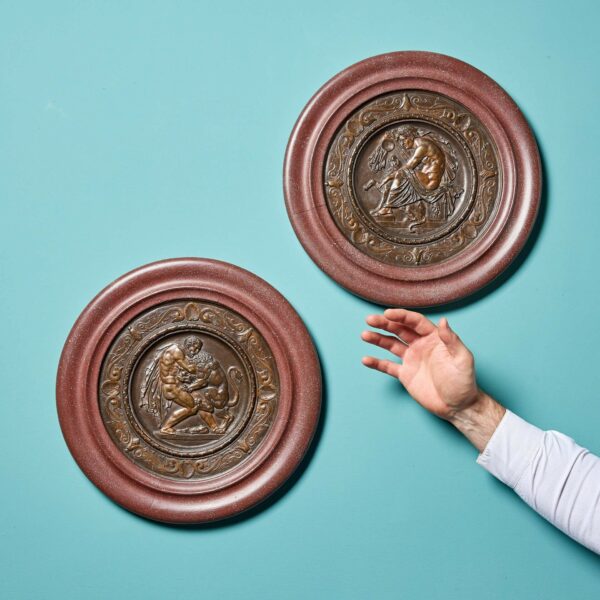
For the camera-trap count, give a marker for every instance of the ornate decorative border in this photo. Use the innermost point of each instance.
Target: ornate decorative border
(428, 284)
(189, 316)
(245, 484)
(422, 107)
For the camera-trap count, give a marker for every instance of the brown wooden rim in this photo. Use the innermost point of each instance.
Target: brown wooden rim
(431, 285)
(281, 451)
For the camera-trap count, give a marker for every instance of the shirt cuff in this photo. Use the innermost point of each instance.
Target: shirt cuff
(511, 449)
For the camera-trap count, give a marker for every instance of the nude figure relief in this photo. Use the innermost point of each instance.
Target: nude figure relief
(418, 185)
(193, 380)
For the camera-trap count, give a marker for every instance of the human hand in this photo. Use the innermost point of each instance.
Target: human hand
(437, 370)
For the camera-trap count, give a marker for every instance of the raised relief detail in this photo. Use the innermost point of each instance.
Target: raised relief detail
(189, 390)
(194, 380)
(418, 170)
(412, 178)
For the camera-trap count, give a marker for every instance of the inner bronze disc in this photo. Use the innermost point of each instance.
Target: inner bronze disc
(188, 389)
(412, 178)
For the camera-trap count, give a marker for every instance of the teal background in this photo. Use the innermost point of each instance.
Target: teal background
(135, 131)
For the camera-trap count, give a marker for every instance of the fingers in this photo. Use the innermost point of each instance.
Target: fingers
(408, 318)
(385, 366)
(379, 321)
(391, 343)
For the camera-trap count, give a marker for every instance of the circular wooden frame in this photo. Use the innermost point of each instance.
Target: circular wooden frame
(428, 285)
(231, 492)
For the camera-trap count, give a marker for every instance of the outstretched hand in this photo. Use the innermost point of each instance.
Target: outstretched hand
(437, 370)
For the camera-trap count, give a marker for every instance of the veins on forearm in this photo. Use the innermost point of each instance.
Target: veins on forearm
(478, 421)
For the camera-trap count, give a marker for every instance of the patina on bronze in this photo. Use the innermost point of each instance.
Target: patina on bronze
(412, 179)
(188, 390)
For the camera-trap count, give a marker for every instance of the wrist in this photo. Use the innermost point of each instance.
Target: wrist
(478, 421)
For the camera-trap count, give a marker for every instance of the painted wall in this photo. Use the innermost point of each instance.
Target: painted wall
(134, 131)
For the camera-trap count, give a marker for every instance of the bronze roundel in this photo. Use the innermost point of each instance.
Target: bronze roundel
(181, 393)
(412, 179)
(188, 390)
(407, 184)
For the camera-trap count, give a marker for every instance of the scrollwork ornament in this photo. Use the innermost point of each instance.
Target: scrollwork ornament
(188, 390)
(412, 178)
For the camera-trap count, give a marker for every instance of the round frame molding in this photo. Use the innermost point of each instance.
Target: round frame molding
(431, 284)
(233, 491)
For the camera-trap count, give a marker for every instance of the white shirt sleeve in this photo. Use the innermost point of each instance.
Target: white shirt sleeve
(555, 476)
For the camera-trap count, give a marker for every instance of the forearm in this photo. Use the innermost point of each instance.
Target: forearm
(562, 483)
(556, 477)
(479, 421)
(190, 368)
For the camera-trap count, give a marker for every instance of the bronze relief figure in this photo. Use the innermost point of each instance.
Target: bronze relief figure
(419, 171)
(194, 379)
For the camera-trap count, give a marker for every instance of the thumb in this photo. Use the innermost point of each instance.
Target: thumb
(450, 339)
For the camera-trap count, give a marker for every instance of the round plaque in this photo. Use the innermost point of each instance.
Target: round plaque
(412, 179)
(188, 390)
